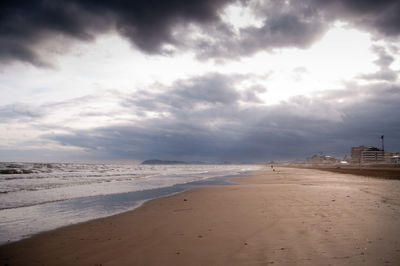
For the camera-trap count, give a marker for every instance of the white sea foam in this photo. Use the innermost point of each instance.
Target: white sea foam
(27, 184)
(38, 197)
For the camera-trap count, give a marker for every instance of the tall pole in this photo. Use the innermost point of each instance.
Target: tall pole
(383, 147)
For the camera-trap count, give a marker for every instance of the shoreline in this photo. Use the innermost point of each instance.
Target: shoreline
(291, 216)
(72, 211)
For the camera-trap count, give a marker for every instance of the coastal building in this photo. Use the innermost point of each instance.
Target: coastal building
(356, 153)
(367, 154)
(322, 159)
(395, 159)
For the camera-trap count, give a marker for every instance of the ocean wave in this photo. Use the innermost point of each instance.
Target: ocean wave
(11, 171)
(61, 181)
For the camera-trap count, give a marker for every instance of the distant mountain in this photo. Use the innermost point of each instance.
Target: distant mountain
(154, 161)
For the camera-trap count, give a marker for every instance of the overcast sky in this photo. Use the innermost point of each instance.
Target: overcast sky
(211, 80)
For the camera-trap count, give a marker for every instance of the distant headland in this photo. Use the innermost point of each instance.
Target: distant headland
(156, 161)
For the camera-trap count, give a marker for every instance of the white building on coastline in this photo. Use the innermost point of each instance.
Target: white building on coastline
(367, 154)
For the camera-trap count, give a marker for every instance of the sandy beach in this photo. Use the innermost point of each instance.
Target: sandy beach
(287, 217)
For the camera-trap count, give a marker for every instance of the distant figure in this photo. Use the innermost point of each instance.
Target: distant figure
(272, 167)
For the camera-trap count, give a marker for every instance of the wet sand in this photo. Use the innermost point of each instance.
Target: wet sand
(287, 217)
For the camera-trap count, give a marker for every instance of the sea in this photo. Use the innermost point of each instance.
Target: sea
(37, 197)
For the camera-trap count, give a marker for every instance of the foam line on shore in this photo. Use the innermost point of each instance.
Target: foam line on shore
(30, 221)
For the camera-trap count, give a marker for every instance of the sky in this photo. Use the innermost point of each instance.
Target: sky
(211, 80)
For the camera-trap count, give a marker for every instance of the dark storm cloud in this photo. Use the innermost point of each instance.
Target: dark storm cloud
(148, 23)
(30, 30)
(379, 16)
(280, 30)
(195, 127)
(25, 25)
(298, 24)
(283, 25)
(156, 138)
(370, 116)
